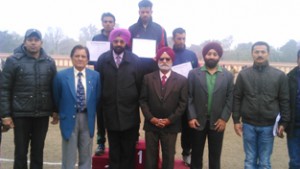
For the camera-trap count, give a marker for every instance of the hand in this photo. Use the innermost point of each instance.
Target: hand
(8, 122)
(238, 128)
(55, 118)
(157, 122)
(194, 123)
(166, 122)
(220, 125)
(280, 131)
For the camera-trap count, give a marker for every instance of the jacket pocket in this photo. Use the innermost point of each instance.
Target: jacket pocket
(23, 103)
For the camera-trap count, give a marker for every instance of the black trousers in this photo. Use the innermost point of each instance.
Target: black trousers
(100, 128)
(168, 143)
(122, 148)
(185, 136)
(30, 130)
(215, 140)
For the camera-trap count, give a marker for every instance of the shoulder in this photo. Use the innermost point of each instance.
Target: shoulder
(179, 76)
(276, 71)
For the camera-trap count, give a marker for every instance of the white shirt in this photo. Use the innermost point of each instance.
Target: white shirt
(83, 79)
(167, 75)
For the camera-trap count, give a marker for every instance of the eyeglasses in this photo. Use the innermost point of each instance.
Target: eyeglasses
(118, 41)
(167, 59)
(107, 21)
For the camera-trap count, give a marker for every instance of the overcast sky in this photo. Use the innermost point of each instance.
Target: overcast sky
(274, 21)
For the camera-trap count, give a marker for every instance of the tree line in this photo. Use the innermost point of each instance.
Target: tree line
(56, 42)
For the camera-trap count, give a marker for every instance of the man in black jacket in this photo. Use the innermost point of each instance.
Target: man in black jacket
(145, 28)
(26, 98)
(293, 129)
(260, 94)
(121, 83)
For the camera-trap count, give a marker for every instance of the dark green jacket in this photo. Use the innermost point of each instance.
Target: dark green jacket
(260, 93)
(26, 89)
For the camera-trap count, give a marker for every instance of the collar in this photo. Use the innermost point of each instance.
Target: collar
(115, 55)
(261, 67)
(204, 69)
(167, 74)
(76, 72)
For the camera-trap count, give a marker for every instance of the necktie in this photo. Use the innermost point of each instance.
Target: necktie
(80, 94)
(118, 61)
(163, 80)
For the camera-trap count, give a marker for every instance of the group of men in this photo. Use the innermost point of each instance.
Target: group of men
(198, 105)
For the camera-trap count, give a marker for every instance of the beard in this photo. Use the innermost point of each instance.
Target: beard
(118, 49)
(165, 66)
(211, 63)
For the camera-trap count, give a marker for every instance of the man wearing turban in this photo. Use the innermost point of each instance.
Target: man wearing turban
(163, 101)
(121, 80)
(210, 103)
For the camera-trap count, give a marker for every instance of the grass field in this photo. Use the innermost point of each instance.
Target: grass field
(232, 153)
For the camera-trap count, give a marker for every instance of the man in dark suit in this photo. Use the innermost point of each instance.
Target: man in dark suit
(121, 82)
(210, 104)
(163, 100)
(76, 94)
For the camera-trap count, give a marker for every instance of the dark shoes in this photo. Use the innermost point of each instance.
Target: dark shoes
(100, 150)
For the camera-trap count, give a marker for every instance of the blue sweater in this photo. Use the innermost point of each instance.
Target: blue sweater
(184, 55)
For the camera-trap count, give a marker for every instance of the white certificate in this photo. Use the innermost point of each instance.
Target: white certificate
(183, 68)
(96, 48)
(144, 47)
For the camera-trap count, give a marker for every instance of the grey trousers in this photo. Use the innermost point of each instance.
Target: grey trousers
(80, 140)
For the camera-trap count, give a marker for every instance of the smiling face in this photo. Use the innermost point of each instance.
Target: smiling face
(260, 54)
(80, 59)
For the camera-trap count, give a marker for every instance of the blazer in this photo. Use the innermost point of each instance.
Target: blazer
(172, 105)
(65, 99)
(198, 97)
(120, 91)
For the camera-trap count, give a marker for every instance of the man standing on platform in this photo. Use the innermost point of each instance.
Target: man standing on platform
(183, 55)
(108, 22)
(121, 80)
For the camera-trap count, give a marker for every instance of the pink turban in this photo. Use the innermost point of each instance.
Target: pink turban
(120, 32)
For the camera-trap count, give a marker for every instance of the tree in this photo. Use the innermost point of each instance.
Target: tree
(9, 41)
(52, 40)
(288, 51)
(87, 33)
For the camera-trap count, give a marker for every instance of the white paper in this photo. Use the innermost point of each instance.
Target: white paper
(275, 128)
(144, 48)
(96, 48)
(183, 68)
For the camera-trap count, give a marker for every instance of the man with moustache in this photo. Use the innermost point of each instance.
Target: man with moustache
(163, 101)
(261, 92)
(108, 22)
(183, 55)
(26, 98)
(210, 103)
(121, 80)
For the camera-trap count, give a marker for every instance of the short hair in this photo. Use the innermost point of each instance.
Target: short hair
(259, 43)
(108, 14)
(178, 30)
(145, 4)
(79, 47)
(298, 54)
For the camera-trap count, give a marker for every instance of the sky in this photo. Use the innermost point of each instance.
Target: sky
(275, 21)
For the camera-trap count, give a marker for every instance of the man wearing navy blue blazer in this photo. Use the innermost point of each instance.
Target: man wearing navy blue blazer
(76, 94)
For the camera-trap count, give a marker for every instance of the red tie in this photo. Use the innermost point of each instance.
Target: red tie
(163, 80)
